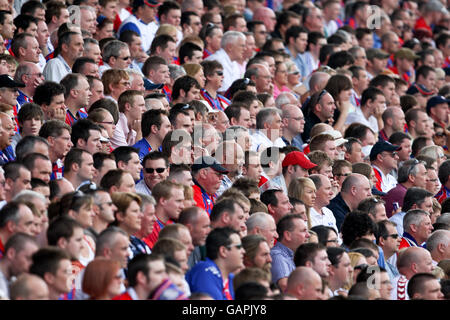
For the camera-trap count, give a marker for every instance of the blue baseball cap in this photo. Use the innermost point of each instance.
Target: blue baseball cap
(150, 3)
(381, 146)
(434, 101)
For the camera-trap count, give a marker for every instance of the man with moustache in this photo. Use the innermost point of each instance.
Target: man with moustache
(257, 252)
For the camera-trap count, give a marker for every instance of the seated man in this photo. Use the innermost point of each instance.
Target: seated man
(224, 257)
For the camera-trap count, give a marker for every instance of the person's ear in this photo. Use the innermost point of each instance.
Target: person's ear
(61, 243)
(121, 165)
(11, 253)
(223, 251)
(308, 264)
(49, 278)
(141, 278)
(381, 241)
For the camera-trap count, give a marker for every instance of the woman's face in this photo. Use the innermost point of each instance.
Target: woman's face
(114, 287)
(345, 95)
(281, 75)
(309, 197)
(200, 77)
(86, 215)
(332, 240)
(360, 262)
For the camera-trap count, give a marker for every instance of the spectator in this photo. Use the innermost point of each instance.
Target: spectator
(304, 284)
(424, 286)
(383, 157)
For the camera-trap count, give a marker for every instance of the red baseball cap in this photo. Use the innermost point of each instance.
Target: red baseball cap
(298, 158)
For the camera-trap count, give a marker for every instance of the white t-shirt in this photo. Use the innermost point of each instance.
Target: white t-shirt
(325, 219)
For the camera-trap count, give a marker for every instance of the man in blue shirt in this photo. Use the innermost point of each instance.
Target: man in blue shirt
(224, 256)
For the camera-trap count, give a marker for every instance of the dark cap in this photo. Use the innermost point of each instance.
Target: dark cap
(376, 53)
(148, 85)
(150, 3)
(298, 158)
(381, 146)
(434, 101)
(7, 81)
(208, 162)
(406, 53)
(419, 88)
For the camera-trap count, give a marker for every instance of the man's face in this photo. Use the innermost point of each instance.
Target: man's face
(62, 144)
(134, 166)
(161, 75)
(88, 21)
(213, 180)
(301, 42)
(235, 256)
(356, 155)
(151, 174)
(8, 27)
(405, 152)
(264, 80)
(75, 243)
(424, 229)
(192, 94)
(42, 33)
(392, 242)
(31, 53)
(390, 160)
(260, 33)
(363, 189)
(385, 286)
(283, 207)
(237, 220)
(431, 290)
(270, 232)
(299, 233)
(119, 251)
(427, 205)
(201, 228)
(169, 52)
(93, 143)
(425, 262)
(327, 106)
(86, 171)
(62, 280)
(175, 204)
(429, 81)
(9, 96)
(254, 169)
(343, 271)
(312, 289)
(157, 273)
(75, 48)
(244, 119)
(324, 194)
(380, 213)
(321, 263)
(330, 149)
(26, 221)
(22, 260)
(183, 121)
(173, 17)
(262, 258)
(93, 51)
(22, 182)
(8, 131)
(90, 69)
(42, 169)
(96, 91)
(123, 61)
(83, 93)
(441, 112)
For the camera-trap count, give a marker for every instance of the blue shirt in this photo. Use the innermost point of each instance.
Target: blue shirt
(282, 262)
(206, 277)
(300, 62)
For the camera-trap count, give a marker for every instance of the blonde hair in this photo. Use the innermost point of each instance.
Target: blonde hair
(122, 200)
(432, 151)
(192, 68)
(166, 29)
(113, 77)
(297, 189)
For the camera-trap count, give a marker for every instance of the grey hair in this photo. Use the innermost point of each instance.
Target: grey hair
(112, 49)
(257, 219)
(266, 115)
(146, 200)
(431, 151)
(88, 41)
(282, 99)
(415, 217)
(436, 238)
(231, 37)
(444, 218)
(132, 73)
(176, 71)
(404, 170)
(28, 195)
(22, 69)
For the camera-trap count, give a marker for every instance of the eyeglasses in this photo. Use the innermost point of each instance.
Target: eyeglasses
(413, 165)
(238, 246)
(124, 58)
(393, 236)
(158, 170)
(361, 266)
(39, 74)
(342, 174)
(219, 72)
(294, 72)
(392, 154)
(126, 83)
(333, 241)
(107, 122)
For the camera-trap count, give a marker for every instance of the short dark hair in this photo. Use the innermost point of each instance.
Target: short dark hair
(356, 224)
(323, 233)
(397, 137)
(123, 153)
(335, 254)
(370, 94)
(217, 238)
(187, 50)
(286, 224)
(61, 227)
(112, 178)
(45, 92)
(26, 145)
(417, 282)
(269, 197)
(80, 62)
(160, 41)
(184, 83)
(294, 32)
(80, 130)
(47, 260)
(30, 111)
(140, 263)
(151, 118)
(307, 252)
(73, 156)
(340, 59)
(444, 172)
(381, 80)
(415, 196)
(225, 205)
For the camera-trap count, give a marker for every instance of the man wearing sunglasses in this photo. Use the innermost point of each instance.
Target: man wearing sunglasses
(116, 55)
(388, 239)
(155, 170)
(384, 158)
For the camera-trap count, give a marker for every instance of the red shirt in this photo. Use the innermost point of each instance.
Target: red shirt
(123, 296)
(151, 239)
(422, 24)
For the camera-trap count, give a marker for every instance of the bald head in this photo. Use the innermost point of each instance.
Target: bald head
(285, 98)
(318, 81)
(267, 16)
(353, 180)
(414, 260)
(304, 283)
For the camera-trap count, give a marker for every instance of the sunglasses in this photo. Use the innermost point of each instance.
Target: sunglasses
(342, 174)
(219, 72)
(238, 246)
(393, 236)
(158, 170)
(361, 266)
